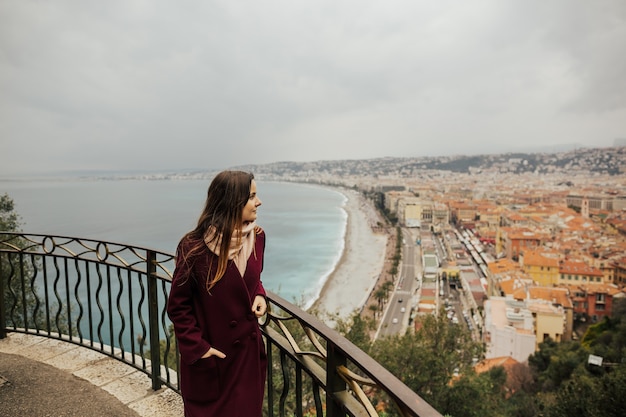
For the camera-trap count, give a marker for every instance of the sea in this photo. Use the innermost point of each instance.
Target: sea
(305, 224)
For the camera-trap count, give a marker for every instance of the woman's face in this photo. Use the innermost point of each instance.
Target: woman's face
(249, 210)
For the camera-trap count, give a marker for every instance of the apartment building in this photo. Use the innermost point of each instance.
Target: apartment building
(512, 241)
(516, 327)
(553, 310)
(412, 212)
(578, 272)
(462, 212)
(619, 266)
(593, 302)
(393, 197)
(501, 273)
(509, 329)
(418, 212)
(593, 201)
(542, 265)
(550, 321)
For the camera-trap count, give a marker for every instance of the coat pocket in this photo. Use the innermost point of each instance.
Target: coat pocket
(201, 381)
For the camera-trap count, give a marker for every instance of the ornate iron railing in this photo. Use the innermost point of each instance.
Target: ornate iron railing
(111, 298)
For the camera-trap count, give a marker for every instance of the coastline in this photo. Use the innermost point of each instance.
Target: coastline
(348, 286)
(341, 288)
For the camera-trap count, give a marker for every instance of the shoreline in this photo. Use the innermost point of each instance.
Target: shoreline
(362, 260)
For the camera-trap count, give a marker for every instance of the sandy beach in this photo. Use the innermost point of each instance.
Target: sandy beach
(363, 258)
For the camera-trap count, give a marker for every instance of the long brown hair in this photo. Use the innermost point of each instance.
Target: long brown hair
(226, 197)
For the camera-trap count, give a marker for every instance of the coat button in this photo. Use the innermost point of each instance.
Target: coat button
(236, 343)
(233, 323)
(253, 335)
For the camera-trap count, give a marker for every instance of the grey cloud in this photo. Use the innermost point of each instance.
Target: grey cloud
(148, 85)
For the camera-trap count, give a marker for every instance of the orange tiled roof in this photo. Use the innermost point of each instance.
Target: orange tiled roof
(516, 217)
(511, 286)
(519, 293)
(572, 267)
(594, 288)
(538, 258)
(523, 233)
(558, 296)
(502, 265)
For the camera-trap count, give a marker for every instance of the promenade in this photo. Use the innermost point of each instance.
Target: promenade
(42, 377)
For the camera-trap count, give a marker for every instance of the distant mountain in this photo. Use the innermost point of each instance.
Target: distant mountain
(578, 160)
(507, 148)
(564, 147)
(609, 161)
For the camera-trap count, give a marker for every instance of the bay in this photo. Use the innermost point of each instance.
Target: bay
(305, 224)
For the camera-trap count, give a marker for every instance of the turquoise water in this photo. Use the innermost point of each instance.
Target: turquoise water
(305, 224)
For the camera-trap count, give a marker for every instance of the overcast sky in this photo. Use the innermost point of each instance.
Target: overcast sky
(162, 85)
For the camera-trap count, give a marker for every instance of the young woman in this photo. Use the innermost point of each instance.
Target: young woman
(215, 300)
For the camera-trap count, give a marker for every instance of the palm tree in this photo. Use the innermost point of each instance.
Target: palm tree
(374, 309)
(387, 287)
(380, 296)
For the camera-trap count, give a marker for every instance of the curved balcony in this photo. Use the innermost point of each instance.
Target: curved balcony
(111, 297)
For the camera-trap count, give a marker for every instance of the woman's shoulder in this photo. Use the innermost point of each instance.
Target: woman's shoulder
(188, 242)
(259, 234)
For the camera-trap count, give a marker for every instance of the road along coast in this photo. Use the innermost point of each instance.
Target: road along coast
(350, 284)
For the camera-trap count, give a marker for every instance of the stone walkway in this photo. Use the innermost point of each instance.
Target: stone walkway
(48, 377)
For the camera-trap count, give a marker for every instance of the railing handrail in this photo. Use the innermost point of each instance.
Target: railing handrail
(71, 267)
(375, 370)
(90, 253)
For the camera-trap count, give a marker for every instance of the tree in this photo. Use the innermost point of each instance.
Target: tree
(19, 298)
(575, 387)
(9, 219)
(477, 395)
(520, 378)
(171, 359)
(540, 360)
(356, 329)
(428, 359)
(575, 399)
(381, 296)
(387, 287)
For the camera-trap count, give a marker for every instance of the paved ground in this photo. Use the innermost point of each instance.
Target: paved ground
(42, 377)
(31, 388)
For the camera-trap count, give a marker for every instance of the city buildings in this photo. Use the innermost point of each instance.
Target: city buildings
(537, 241)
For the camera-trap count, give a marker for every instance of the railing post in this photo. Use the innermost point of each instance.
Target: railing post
(334, 383)
(3, 321)
(153, 318)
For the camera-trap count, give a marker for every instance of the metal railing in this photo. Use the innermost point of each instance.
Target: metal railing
(111, 298)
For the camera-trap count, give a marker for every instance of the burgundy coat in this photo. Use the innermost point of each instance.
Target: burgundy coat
(232, 386)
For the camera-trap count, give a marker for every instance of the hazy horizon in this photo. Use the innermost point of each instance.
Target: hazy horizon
(182, 170)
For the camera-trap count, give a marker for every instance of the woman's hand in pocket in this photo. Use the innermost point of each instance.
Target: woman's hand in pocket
(213, 352)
